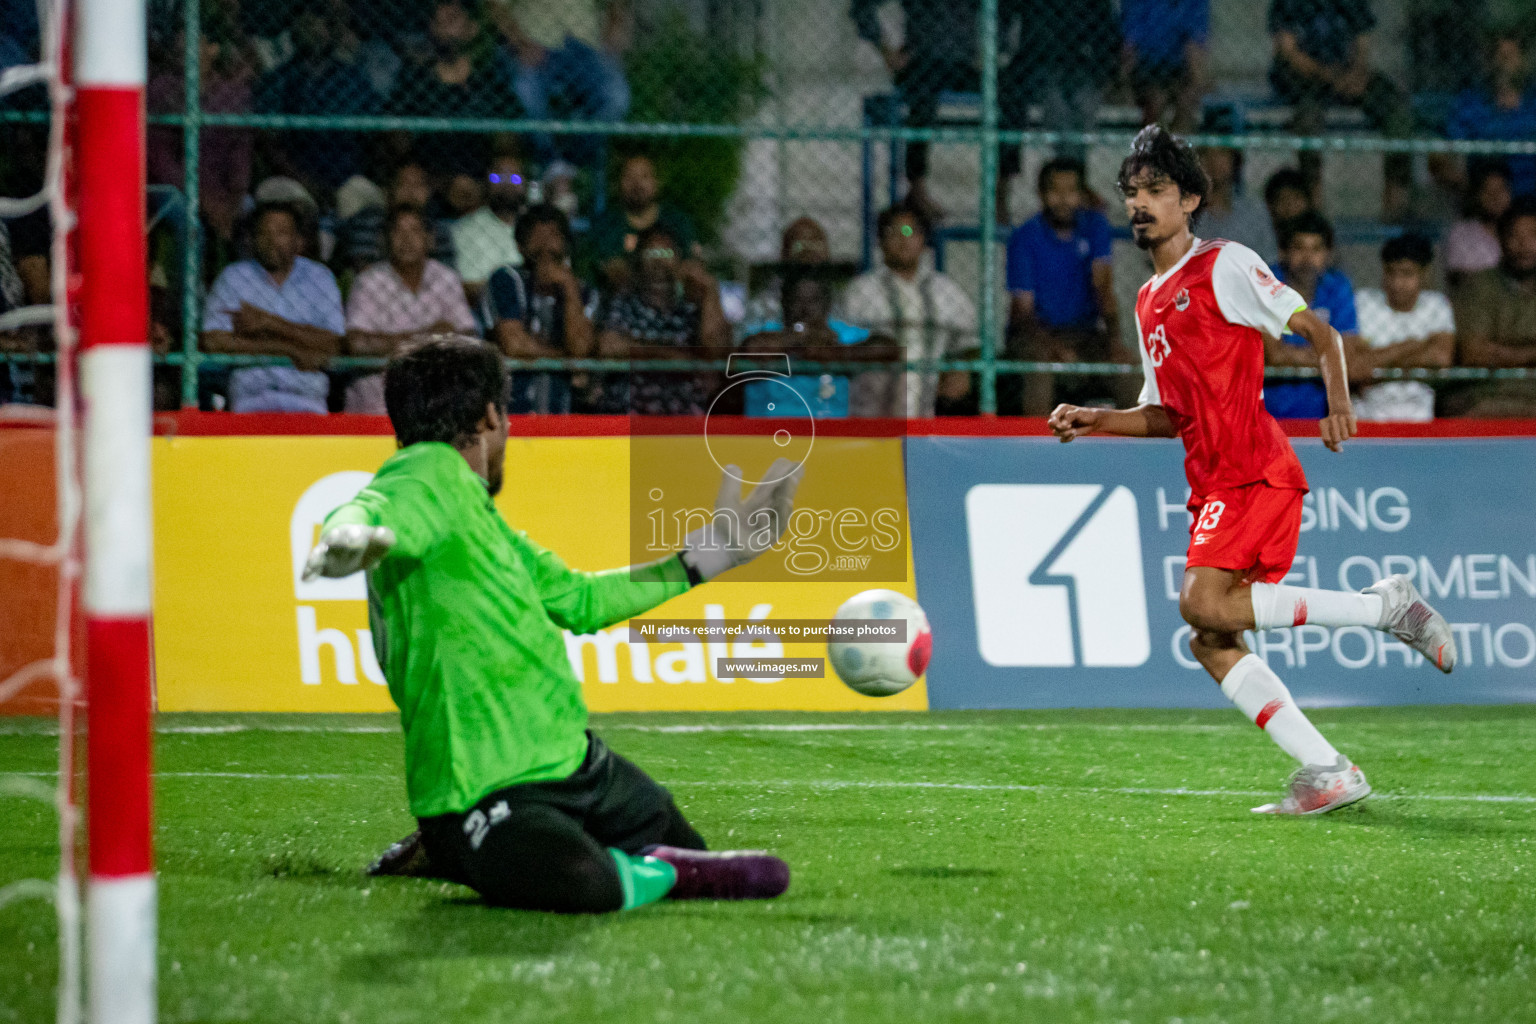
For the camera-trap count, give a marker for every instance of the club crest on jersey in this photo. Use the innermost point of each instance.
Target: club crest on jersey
(1181, 300)
(1267, 280)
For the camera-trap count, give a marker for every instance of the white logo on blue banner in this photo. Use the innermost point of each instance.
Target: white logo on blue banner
(1056, 575)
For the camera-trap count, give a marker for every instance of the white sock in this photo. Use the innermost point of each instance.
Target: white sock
(1277, 606)
(1259, 694)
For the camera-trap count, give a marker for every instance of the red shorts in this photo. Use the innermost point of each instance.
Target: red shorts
(1252, 530)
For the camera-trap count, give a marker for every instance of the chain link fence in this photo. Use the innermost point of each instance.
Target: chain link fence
(620, 194)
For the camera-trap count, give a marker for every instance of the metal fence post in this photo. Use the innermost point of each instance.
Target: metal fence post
(988, 313)
(191, 254)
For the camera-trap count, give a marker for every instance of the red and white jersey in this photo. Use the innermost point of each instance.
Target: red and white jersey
(1201, 349)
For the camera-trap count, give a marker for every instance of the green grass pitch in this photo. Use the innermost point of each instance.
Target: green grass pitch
(1050, 866)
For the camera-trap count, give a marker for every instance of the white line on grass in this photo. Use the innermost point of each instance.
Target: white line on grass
(978, 787)
(1115, 790)
(170, 729)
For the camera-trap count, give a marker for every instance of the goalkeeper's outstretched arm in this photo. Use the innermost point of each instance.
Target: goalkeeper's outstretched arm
(740, 531)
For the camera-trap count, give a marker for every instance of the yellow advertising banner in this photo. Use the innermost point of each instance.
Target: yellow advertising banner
(236, 629)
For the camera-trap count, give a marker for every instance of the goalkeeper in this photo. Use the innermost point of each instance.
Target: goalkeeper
(513, 796)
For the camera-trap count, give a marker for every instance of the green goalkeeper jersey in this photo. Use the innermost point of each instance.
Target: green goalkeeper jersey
(467, 616)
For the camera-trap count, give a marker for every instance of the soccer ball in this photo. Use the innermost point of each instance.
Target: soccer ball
(881, 669)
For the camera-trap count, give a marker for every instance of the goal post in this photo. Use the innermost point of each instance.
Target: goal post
(115, 388)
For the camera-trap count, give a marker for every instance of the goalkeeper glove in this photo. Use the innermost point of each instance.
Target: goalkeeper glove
(344, 550)
(742, 530)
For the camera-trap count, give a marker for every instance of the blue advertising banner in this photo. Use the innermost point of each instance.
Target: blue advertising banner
(1051, 572)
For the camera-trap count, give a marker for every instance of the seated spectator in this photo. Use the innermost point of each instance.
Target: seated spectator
(1323, 58)
(31, 250)
(562, 59)
(1229, 210)
(314, 81)
(20, 382)
(1496, 317)
(360, 238)
(1286, 194)
(1472, 244)
(456, 80)
(1306, 264)
(224, 153)
(539, 309)
(1164, 56)
(279, 303)
(1061, 285)
(803, 244)
(809, 334)
(672, 312)
(1402, 324)
(925, 313)
(487, 239)
(616, 231)
(1503, 109)
(393, 301)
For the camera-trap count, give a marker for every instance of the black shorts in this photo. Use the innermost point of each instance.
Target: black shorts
(544, 845)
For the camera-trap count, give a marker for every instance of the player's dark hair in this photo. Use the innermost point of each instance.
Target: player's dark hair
(1410, 246)
(901, 211)
(1061, 165)
(1525, 206)
(1285, 178)
(436, 388)
(542, 213)
(1309, 223)
(1163, 155)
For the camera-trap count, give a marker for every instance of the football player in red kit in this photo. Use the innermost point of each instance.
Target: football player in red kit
(1199, 321)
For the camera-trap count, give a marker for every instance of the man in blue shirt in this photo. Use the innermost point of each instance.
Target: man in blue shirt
(1306, 255)
(1504, 109)
(277, 304)
(1061, 283)
(1165, 43)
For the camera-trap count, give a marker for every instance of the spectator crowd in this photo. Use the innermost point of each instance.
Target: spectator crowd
(348, 243)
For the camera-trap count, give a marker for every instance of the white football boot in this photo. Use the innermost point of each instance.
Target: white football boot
(1406, 615)
(1318, 789)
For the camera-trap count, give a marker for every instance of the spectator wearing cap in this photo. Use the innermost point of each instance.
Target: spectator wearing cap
(1306, 264)
(1403, 324)
(673, 311)
(360, 239)
(282, 304)
(486, 238)
(1472, 244)
(541, 309)
(926, 313)
(1061, 284)
(1164, 56)
(397, 299)
(1230, 211)
(1496, 320)
(616, 231)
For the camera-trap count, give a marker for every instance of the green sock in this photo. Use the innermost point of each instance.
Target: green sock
(645, 879)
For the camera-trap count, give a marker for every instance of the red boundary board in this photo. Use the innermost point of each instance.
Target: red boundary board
(216, 424)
